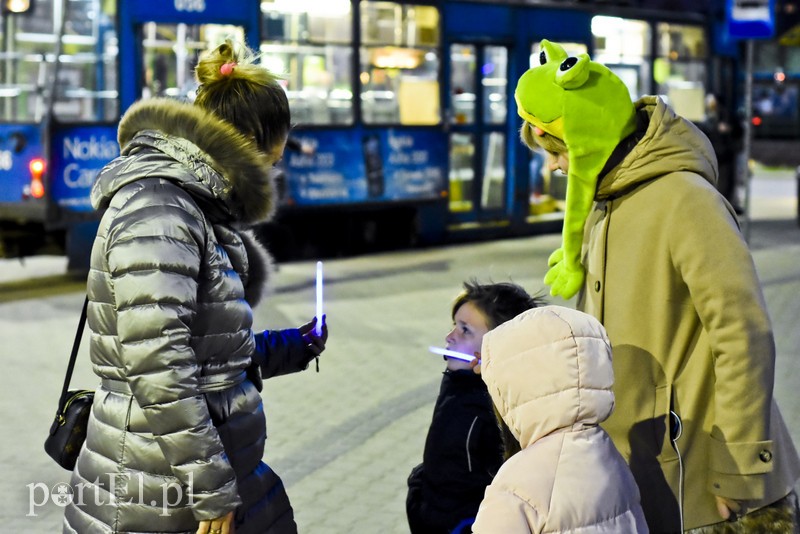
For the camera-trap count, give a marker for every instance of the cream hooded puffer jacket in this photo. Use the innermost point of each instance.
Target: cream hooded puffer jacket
(550, 377)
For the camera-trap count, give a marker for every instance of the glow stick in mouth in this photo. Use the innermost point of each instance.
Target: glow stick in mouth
(452, 354)
(318, 326)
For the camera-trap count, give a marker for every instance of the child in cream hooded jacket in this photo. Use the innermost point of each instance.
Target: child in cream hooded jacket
(549, 374)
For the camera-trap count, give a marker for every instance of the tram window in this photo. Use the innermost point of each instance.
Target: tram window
(680, 68)
(623, 45)
(306, 21)
(681, 42)
(463, 63)
(494, 78)
(87, 78)
(399, 63)
(462, 171)
(547, 188)
(171, 53)
(493, 185)
(309, 42)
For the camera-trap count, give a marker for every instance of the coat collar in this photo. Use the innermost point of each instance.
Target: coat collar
(669, 144)
(227, 162)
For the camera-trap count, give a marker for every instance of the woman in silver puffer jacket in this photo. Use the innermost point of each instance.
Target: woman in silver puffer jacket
(177, 430)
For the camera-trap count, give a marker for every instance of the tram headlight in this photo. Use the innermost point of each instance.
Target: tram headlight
(17, 6)
(37, 167)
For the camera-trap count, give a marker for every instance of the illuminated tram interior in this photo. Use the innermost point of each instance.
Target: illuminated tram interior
(404, 110)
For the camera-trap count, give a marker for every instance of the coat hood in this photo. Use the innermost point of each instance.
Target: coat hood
(204, 154)
(549, 370)
(670, 144)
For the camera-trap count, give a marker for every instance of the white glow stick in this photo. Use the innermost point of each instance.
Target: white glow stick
(318, 326)
(452, 354)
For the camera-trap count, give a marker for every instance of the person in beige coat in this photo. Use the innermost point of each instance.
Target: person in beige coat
(672, 280)
(550, 377)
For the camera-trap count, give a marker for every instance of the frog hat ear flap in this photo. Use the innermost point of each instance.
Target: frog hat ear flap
(589, 108)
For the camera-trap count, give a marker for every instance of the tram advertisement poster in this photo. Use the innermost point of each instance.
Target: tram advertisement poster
(360, 166)
(78, 155)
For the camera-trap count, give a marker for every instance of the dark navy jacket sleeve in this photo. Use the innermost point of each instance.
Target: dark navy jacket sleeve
(281, 352)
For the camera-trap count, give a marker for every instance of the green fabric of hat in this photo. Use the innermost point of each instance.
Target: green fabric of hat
(588, 107)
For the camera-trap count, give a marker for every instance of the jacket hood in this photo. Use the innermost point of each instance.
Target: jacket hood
(670, 144)
(193, 147)
(549, 370)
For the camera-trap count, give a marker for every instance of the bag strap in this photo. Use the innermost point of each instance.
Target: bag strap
(72, 357)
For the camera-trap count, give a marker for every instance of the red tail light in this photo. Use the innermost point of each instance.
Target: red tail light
(37, 167)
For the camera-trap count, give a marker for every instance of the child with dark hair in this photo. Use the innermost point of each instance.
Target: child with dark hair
(464, 447)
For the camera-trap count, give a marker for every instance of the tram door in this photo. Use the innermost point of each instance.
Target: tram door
(477, 112)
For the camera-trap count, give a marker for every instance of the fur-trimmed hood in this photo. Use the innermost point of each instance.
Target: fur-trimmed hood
(204, 154)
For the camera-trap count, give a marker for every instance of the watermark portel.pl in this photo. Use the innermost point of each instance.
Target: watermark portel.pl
(62, 494)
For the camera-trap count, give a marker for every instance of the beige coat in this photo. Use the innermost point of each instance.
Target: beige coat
(549, 374)
(673, 282)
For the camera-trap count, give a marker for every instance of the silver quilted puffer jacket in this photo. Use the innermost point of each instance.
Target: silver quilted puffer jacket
(177, 430)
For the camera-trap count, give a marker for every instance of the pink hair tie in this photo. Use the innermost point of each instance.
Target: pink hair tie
(227, 68)
(538, 131)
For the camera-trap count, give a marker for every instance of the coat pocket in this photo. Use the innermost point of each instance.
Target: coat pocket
(668, 425)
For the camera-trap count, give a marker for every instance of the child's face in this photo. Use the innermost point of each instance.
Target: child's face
(467, 334)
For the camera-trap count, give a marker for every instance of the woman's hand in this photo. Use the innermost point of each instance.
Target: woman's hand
(314, 343)
(220, 525)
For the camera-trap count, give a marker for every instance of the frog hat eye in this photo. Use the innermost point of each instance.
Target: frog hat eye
(568, 63)
(573, 71)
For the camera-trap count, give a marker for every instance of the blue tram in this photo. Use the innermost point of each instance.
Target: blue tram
(404, 109)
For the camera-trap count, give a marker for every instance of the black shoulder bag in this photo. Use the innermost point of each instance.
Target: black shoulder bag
(68, 431)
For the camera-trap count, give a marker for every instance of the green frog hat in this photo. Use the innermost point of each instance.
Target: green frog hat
(588, 107)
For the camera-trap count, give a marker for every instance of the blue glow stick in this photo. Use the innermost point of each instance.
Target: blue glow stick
(452, 354)
(318, 326)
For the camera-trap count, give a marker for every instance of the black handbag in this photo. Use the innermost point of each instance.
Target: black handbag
(68, 431)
